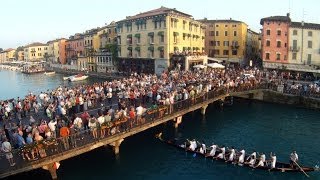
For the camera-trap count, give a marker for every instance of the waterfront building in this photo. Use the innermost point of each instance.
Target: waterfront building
(3, 56)
(225, 40)
(148, 40)
(74, 48)
(56, 51)
(275, 39)
(109, 35)
(35, 52)
(104, 62)
(11, 54)
(253, 49)
(304, 43)
(89, 49)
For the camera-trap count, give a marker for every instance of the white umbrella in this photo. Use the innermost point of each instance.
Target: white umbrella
(215, 65)
(199, 66)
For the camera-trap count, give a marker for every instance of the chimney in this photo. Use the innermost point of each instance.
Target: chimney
(288, 14)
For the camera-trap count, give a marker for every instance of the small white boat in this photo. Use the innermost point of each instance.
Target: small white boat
(50, 73)
(78, 77)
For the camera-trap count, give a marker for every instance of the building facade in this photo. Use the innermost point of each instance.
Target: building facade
(3, 56)
(109, 35)
(226, 39)
(20, 55)
(11, 54)
(36, 52)
(89, 50)
(147, 41)
(104, 62)
(74, 48)
(304, 43)
(275, 39)
(253, 49)
(56, 51)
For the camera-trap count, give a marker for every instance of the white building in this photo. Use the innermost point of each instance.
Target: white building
(304, 43)
(104, 62)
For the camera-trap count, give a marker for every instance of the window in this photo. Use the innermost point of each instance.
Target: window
(226, 33)
(267, 56)
(234, 52)
(216, 43)
(226, 25)
(162, 38)
(225, 52)
(217, 25)
(211, 33)
(285, 44)
(152, 53)
(309, 59)
(151, 39)
(278, 56)
(211, 43)
(279, 32)
(225, 43)
(184, 25)
(217, 33)
(285, 57)
(310, 33)
(161, 55)
(294, 56)
(138, 40)
(278, 44)
(234, 25)
(155, 24)
(294, 44)
(268, 43)
(216, 52)
(268, 32)
(309, 44)
(234, 33)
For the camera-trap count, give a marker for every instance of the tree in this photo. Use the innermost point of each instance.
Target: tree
(1, 49)
(16, 54)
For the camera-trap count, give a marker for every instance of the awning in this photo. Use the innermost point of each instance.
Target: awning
(129, 48)
(129, 36)
(189, 48)
(185, 48)
(199, 66)
(216, 65)
(151, 34)
(151, 48)
(160, 33)
(161, 48)
(214, 59)
(137, 35)
(175, 33)
(137, 48)
(176, 48)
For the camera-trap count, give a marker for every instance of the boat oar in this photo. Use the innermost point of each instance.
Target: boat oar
(301, 169)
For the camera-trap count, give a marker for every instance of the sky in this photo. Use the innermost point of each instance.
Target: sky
(27, 21)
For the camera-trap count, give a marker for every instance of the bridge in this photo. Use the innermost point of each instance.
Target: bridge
(84, 142)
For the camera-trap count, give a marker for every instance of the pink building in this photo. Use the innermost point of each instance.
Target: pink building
(275, 39)
(62, 51)
(74, 48)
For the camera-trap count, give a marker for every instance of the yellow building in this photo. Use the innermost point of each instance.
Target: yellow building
(226, 40)
(20, 55)
(11, 54)
(148, 41)
(35, 52)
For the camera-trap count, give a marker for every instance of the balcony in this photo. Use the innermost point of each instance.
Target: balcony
(294, 48)
(234, 46)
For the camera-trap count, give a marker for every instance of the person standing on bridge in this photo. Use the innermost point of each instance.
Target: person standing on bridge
(6, 147)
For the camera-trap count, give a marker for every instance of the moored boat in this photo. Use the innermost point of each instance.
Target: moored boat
(280, 166)
(78, 77)
(49, 73)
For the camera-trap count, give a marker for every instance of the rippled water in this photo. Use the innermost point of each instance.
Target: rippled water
(14, 84)
(247, 124)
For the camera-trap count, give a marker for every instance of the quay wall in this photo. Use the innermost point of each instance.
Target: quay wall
(282, 98)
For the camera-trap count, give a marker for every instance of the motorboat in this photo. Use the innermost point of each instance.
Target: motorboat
(49, 73)
(78, 77)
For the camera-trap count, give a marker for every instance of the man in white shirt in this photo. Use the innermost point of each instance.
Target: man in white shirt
(78, 122)
(6, 147)
(139, 110)
(52, 126)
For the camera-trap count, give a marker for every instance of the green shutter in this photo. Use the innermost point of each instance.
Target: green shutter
(189, 48)
(137, 35)
(160, 33)
(151, 48)
(175, 33)
(151, 34)
(184, 34)
(189, 35)
(176, 48)
(129, 48)
(137, 48)
(185, 48)
(129, 36)
(160, 48)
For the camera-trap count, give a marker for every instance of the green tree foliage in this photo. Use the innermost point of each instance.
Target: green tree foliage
(20, 48)
(1, 49)
(113, 49)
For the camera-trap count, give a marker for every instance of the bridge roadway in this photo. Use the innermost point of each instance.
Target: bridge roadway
(84, 142)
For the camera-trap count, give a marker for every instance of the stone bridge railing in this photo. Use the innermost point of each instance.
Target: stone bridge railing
(46, 150)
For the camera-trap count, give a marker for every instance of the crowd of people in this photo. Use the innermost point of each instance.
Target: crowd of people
(36, 122)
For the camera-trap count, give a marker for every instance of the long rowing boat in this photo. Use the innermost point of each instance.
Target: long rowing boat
(280, 166)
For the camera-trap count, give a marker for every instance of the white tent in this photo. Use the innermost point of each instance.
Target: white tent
(216, 65)
(199, 66)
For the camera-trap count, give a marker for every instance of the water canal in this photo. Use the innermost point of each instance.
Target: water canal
(250, 125)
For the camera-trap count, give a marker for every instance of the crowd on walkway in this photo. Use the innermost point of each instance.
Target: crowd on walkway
(60, 116)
